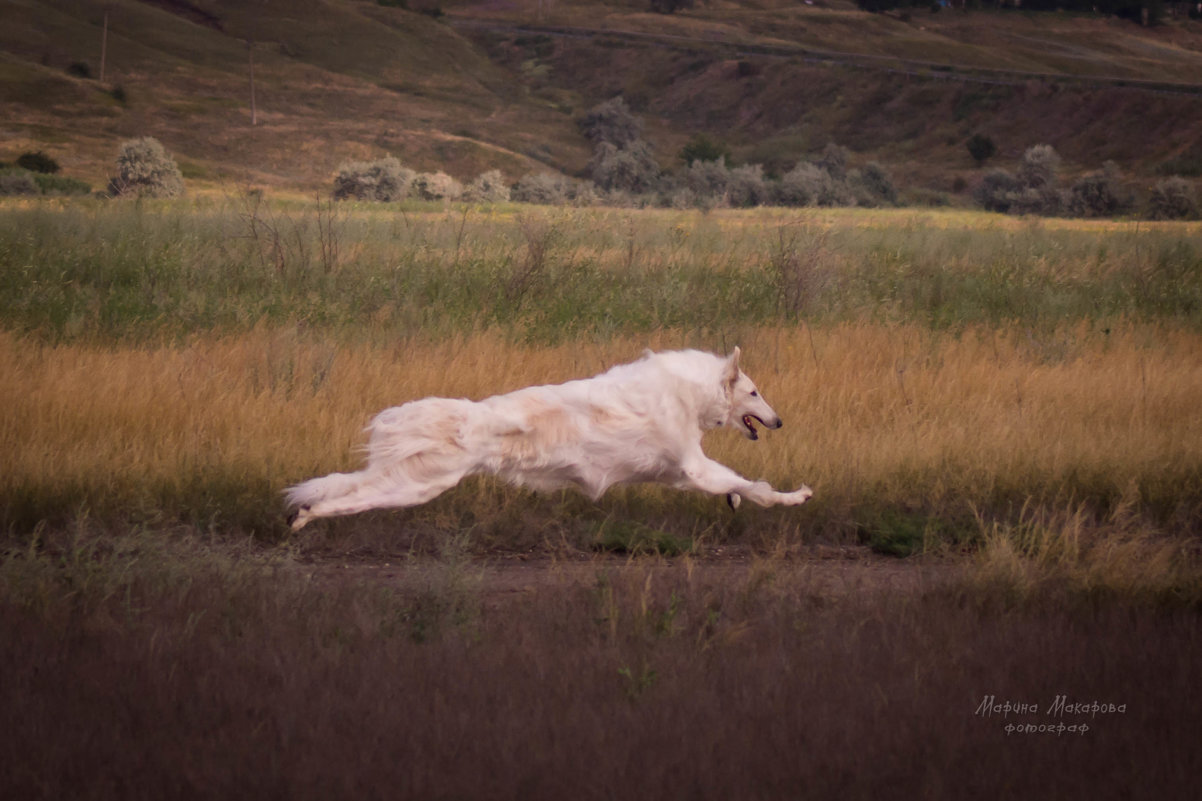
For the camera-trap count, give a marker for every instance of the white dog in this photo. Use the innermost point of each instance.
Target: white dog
(637, 422)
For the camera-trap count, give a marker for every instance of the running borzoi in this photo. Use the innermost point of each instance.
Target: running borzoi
(641, 421)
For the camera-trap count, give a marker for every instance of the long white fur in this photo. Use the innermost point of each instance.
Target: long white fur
(638, 422)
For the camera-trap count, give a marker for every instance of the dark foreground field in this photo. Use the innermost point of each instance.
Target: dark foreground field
(134, 669)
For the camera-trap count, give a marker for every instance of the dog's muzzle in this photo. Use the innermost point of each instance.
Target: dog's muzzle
(748, 423)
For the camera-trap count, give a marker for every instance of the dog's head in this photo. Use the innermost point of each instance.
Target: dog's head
(746, 405)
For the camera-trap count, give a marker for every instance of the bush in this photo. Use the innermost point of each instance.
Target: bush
(17, 182)
(1173, 199)
(489, 187)
(61, 185)
(996, 191)
(437, 186)
(981, 148)
(834, 161)
(748, 187)
(384, 180)
(876, 185)
(612, 122)
(702, 148)
(79, 69)
(543, 188)
(37, 162)
(1098, 194)
(708, 181)
(630, 169)
(1046, 200)
(811, 185)
(1039, 167)
(146, 170)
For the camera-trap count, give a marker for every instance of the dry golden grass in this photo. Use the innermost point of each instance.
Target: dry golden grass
(877, 417)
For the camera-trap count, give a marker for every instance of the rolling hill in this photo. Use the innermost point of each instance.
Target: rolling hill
(471, 86)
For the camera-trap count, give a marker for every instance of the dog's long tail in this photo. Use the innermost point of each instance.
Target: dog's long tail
(315, 490)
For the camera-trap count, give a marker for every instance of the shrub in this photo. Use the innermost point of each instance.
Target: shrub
(146, 170)
(17, 182)
(834, 161)
(61, 185)
(1173, 199)
(996, 191)
(747, 187)
(383, 180)
(708, 181)
(631, 169)
(981, 148)
(811, 185)
(79, 69)
(1045, 200)
(670, 6)
(702, 148)
(1039, 167)
(437, 186)
(543, 188)
(37, 162)
(489, 187)
(1098, 194)
(612, 122)
(876, 185)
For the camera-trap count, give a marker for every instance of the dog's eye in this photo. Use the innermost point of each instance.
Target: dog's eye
(754, 394)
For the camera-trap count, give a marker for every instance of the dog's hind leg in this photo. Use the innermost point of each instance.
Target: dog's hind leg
(705, 475)
(376, 495)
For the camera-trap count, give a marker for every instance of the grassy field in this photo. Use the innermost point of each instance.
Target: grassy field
(1011, 404)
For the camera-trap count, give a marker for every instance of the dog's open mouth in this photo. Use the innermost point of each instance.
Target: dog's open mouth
(751, 432)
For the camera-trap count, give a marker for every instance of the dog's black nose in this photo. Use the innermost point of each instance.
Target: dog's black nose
(779, 423)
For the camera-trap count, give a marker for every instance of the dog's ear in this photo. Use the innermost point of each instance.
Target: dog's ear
(730, 372)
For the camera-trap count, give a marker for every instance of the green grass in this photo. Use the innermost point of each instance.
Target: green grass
(132, 272)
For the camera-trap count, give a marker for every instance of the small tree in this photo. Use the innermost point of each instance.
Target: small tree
(981, 148)
(145, 169)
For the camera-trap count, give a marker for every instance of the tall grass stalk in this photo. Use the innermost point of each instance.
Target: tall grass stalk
(894, 427)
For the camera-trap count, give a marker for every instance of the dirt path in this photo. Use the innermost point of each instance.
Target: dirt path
(822, 572)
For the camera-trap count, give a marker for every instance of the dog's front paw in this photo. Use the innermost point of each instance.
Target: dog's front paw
(800, 495)
(734, 500)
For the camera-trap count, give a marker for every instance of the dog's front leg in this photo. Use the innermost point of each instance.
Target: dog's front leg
(706, 475)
